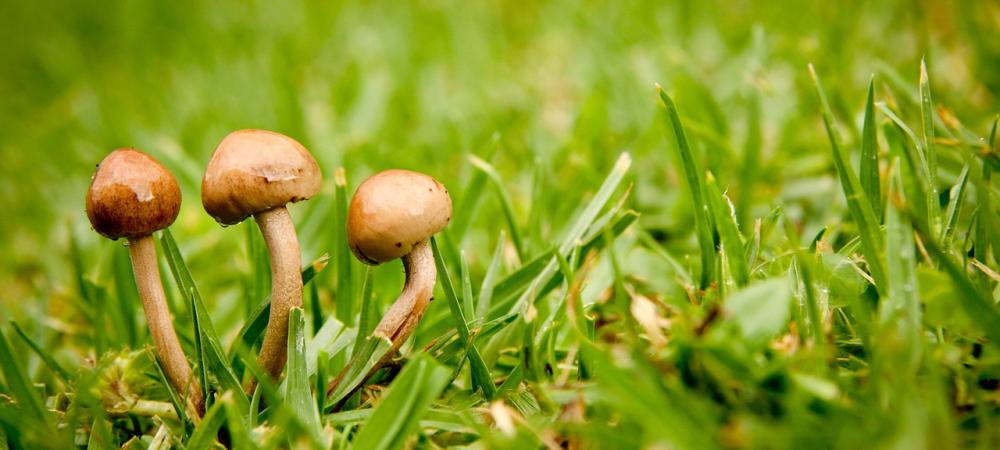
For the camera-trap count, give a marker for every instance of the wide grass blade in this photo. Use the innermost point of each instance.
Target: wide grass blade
(399, 412)
(761, 310)
(696, 186)
(298, 396)
(858, 203)
(901, 310)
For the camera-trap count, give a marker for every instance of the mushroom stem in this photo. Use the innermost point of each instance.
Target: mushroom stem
(154, 303)
(286, 287)
(402, 317)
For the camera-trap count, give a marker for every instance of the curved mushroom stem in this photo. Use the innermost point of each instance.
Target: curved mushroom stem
(142, 250)
(286, 288)
(402, 317)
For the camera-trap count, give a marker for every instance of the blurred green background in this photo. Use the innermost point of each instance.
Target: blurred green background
(562, 87)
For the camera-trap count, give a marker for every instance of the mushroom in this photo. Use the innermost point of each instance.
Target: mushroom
(131, 195)
(392, 215)
(257, 172)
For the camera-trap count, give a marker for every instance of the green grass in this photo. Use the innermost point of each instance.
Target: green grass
(792, 243)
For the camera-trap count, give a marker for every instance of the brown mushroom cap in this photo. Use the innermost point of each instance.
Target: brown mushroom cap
(131, 195)
(254, 171)
(394, 210)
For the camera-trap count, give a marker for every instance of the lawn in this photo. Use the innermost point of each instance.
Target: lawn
(680, 224)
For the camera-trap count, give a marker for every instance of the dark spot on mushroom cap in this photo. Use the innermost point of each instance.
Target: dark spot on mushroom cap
(399, 244)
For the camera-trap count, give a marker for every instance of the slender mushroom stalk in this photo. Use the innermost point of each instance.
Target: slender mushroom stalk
(256, 173)
(392, 215)
(131, 195)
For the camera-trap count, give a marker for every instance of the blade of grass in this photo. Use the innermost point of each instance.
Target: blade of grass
(44, 355)
(255, 325)
(179, 409)
(19, 384)
(369, 310)
(901, 310)
(259, 276)
(957, 197)
(332, 338)
(298, 396)
(986, 223)
(236, 424)
(361, 363)
(978, 306)
(751, 160)
(199, 345)
(916, 158)
(732, 244)
(468, 310)
(869, 170)
(857, 202)
(345, 282)
(468, 204)
(126, 295)
(215, 359)
(506, 205)
(518, 282)
(481, 377)
(206, 431)
(702, 222)
(580, 226)
(927, 120)
(398, 414)
(489, 280)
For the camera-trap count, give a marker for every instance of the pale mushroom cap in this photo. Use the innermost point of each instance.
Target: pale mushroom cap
(392, 211)
(254, 171)
(131, 195)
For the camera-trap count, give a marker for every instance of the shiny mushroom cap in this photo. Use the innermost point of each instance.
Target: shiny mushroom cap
(254, 171)
(131, 195)
(394, 210)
